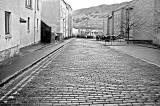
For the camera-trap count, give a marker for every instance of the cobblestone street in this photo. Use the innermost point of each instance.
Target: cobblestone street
(90, 74)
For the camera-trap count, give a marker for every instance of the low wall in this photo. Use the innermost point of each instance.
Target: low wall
(6, 55)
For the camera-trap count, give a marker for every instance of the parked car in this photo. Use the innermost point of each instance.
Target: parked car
(81, 36)
(98, 37)
(89, 36)
(110, 38)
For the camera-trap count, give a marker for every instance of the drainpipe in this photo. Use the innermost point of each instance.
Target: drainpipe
(112, 22)
(108, 25)
(35, 22)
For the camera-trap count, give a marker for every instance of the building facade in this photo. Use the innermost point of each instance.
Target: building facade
(9, 31)
(55, 13)
(149, 18)
(20, 27)
(30, 11)
(70, 21)
(139, 20)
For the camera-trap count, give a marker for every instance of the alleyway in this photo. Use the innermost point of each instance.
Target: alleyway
(87, 73)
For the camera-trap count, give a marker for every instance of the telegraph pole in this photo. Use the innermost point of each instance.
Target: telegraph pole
(128, 22)
(112, 22)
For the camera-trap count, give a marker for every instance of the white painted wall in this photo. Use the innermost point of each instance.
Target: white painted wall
(63, 17)
(67, 22)
(32, 36)
(12, 40)
(55, 14)
(19, 36)
(145, 10)
(51, 14)
(75, 31)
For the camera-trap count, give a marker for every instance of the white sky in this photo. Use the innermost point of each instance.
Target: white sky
(77, 4)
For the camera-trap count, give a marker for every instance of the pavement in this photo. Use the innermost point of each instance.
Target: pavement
(27, 57)
(148, 53)
(88, 73)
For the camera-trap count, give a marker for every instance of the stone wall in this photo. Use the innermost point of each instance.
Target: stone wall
(146, 17)
(6, 55)
(156, 37)
(143, 11)
(117, 22)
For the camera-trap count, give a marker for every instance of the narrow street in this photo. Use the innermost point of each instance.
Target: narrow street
(90, 74)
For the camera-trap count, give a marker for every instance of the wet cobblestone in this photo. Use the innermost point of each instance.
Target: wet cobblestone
(90, 74)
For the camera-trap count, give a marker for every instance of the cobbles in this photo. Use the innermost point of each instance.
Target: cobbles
(90, 74)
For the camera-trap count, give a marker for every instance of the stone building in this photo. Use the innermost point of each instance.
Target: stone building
(147, 11)
(20, 25)
(55, 13)
(142, 17)
(117, 21)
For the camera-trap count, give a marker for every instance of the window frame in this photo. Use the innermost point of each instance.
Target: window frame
(37, 4)
(28, 24)
(7, 22)
(29, 4)
(37, 24)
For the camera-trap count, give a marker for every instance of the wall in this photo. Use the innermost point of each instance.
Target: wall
(9, 44)
(51, 14)
(144, 10)
(105, 23)
(117, 22)
(75, 31)
(63, 18)
(142, 15)
(110, 26)
(32, 36)
(67, 23)
(156, 37)
(55, 13)
(70, 20)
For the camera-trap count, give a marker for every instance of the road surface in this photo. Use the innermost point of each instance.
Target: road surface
(89, 74)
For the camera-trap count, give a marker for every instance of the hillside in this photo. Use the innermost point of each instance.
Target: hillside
(94, 16)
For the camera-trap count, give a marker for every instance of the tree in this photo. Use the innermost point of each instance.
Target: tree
(131, 21)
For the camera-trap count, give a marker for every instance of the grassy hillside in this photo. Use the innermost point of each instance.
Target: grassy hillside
(94, 16)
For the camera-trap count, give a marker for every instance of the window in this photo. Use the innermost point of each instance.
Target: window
(28, 26)
(37, 24)
(7, 22)
(29, 4)
(37, 4)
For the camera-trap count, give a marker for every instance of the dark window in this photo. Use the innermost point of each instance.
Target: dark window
(37, 4)
(37, 24)
(28, 26)
(7, 22)
(29, 4)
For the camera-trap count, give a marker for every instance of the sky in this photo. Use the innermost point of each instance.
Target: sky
(78, 4)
